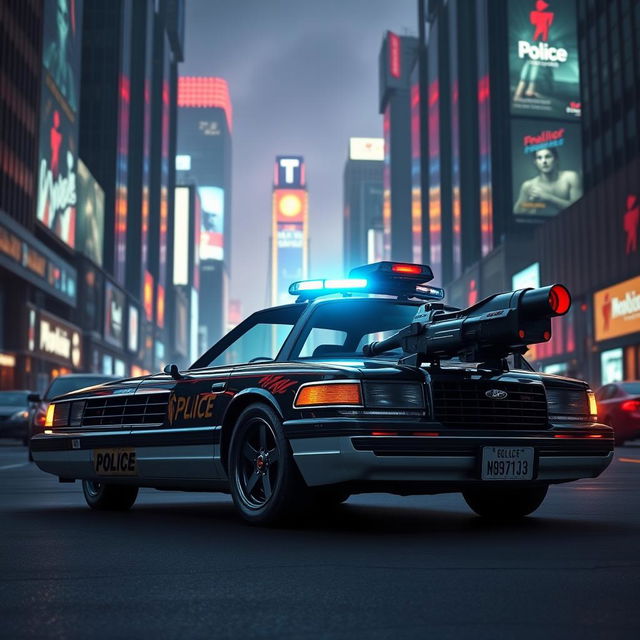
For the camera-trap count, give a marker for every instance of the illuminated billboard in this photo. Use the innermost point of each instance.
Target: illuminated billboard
(211, 223)
(57, 195)
(90, 215)
(366, 148)
(544, 66)
(181, 226)
(289, 171)
(289, 227)
(62, 48)
(546, 159)
(114, 305)
(617, 310)
(528, 278)
(58, 150)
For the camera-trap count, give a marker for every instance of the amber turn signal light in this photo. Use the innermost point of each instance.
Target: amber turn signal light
(328, 394)
(593, 405)
(48, 421)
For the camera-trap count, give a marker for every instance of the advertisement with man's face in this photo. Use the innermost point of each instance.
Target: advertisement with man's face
(90, 210)
(546, 160)
(61, 52)
(57, 196)
(544, 68)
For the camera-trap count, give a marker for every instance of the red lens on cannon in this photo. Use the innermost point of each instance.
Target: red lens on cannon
(559, 299)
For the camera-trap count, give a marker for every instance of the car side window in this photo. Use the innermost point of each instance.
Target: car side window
(263, 341)
(323, 342)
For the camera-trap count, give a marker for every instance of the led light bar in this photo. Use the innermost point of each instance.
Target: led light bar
(399, 279)
(322, 287)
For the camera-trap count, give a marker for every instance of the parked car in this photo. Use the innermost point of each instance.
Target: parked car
(58, 387)
(619, 407)
(14, 415)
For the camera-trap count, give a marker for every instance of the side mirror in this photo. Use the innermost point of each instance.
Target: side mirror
(173, 371)
(33, 397)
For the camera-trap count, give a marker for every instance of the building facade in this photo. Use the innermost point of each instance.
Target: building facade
(533, 175)
(127, 133)
(86, 88)
(398, 56)
(362, 202)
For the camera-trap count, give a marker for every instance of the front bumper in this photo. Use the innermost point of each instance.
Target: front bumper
(444, 460)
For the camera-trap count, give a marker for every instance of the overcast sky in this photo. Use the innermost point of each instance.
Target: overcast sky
(303, 79)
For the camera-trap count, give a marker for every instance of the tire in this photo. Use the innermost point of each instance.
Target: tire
(108, 497)
(504, 503)
(266, 486)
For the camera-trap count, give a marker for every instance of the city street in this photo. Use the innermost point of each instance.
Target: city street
(184, 565)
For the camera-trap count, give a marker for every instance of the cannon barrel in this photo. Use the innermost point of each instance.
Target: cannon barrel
(490, 329)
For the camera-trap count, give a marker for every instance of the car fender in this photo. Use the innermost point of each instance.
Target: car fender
(240, 401)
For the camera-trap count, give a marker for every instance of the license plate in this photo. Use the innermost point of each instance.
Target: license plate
(507, 463)
(115, 462)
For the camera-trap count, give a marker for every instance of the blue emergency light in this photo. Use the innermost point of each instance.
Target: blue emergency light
(384, 278)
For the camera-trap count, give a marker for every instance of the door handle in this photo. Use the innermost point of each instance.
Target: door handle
(217, 387)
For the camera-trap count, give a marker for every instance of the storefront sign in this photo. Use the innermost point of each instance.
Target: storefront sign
(617, 310)
(55, 339)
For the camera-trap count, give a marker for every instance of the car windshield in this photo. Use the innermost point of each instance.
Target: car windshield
(340, 329)
(631, 387)
(13, 398)
(62, 385)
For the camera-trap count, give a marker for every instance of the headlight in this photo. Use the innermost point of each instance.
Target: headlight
(569, 404)
(48, 421)
(57, 415)
(19, 415)
(393, 395)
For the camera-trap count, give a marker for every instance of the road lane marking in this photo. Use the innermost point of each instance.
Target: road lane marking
(14, 466)
(629, 460)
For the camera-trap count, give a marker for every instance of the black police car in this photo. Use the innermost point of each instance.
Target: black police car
(379, 387)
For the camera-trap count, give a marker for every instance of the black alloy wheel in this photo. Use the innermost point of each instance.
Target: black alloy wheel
(508, 503)
(266, 485)
(108, 497)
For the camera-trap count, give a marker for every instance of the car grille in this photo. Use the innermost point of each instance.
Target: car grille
(463, 403)
(148, 408)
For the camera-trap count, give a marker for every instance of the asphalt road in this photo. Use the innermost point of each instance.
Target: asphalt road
(183, 565)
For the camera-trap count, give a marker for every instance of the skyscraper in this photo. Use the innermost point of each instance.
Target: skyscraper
(204, 159)
(290, 225)
(396, 60)
(362, 197)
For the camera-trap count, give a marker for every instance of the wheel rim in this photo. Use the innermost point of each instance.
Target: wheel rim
(257, 464)
(93, 488)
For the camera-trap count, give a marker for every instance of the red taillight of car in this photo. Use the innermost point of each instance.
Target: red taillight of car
(630, 405)
(41, 416)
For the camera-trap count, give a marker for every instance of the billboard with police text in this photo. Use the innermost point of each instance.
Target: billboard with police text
(544, 66)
